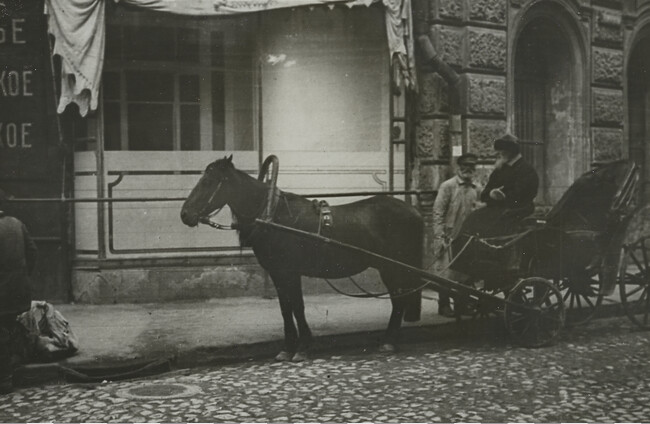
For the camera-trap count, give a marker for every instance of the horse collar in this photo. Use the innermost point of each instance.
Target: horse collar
(271, 206)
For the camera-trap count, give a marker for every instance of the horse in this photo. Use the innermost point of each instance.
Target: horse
(380, 224)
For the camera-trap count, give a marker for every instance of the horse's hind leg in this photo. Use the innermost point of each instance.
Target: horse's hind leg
(397, 313)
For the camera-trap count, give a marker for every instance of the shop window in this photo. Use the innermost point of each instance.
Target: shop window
(179, 83)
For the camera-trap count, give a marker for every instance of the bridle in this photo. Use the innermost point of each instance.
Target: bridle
(205, 218)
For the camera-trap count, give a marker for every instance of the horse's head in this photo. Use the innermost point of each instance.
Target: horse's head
(211, 193)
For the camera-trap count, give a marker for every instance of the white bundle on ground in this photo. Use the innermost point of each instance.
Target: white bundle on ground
(50, 335)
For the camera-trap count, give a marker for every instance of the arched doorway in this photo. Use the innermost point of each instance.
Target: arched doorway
(638, 104)
(548, 97)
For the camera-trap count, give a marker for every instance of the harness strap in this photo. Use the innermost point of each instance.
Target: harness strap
(325, 220)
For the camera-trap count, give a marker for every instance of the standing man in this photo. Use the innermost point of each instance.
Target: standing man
(17, 260)
(509, 192)
(456, 198)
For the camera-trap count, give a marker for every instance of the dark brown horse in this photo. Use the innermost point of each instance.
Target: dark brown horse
(380, 224)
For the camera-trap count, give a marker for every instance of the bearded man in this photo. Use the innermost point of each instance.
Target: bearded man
(457, 197)
(508, 194)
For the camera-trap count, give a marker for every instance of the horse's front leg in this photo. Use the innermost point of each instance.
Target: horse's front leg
(298, 307)
(283, 283)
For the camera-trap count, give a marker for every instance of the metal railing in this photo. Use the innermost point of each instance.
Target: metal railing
(179, 199)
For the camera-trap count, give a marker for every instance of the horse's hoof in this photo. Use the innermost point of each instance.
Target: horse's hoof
(299, 357)
(283, 356)
(387, 348)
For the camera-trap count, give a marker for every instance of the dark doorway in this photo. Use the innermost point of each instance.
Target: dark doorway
(638, 97)
(547, 110)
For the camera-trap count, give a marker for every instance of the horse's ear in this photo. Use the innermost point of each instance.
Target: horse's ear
(229, 158)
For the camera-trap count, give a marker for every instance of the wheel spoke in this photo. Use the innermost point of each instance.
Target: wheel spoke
(635, 291)
(517, 319)
(548, 302)
(526, 328)
(589, 302)
(543, 298)
(645, 256)
(638, 263)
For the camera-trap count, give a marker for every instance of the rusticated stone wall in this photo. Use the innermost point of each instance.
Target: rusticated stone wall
(607, 98)
(470, 36)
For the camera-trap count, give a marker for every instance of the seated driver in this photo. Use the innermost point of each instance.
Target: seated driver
(508, 194)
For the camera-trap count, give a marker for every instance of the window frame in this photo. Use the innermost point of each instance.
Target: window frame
(204, 69)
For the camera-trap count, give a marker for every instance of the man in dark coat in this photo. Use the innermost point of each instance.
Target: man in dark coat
(17, 260)
(508, 194)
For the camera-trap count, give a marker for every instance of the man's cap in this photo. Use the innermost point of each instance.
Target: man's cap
(508, 142)
(467, 159)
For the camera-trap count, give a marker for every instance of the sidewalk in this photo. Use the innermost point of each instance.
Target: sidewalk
(220, 330)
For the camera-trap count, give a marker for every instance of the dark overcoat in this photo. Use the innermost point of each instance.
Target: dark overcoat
(17, 260)
(519, 182)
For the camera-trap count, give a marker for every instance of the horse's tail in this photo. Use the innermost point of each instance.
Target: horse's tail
(413, 307)
(414, 300)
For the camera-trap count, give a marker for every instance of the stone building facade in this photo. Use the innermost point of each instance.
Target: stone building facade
(569, 77)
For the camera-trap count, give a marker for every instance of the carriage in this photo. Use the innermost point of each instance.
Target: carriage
(554, 268)
(563, 263)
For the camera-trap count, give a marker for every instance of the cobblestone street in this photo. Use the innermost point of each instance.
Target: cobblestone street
(598, 372)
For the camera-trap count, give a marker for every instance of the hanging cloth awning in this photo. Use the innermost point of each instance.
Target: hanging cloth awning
(79, 29)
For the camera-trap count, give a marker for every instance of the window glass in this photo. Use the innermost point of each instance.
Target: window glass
(190, 127)
(113, 42)
(149, 86)
(242, 110)
(111, 86)
(216, 48)
(188, 86)
(188, 45)
(218, 112)
(112, 128)
(149, 43)
(150, 126)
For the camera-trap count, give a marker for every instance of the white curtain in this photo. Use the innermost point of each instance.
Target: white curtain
(79, 30)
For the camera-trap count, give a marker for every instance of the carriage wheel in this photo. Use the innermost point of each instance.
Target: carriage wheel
(534, 312)
(581, 299)
(634, 278)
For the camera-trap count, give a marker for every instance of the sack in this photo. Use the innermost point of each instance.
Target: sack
(50, 335)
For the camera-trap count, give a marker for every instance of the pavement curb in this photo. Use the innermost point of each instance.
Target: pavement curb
(473, 330)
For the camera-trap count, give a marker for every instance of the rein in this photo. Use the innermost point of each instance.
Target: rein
(386, 295)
